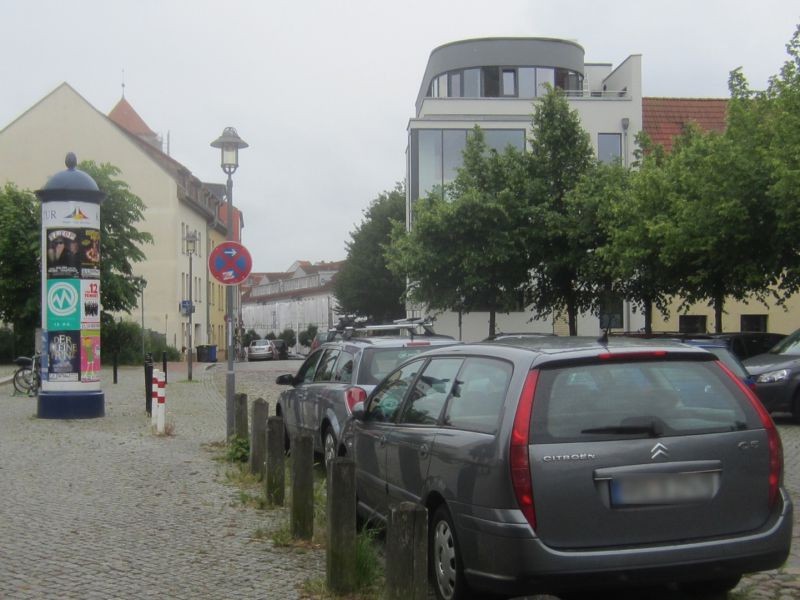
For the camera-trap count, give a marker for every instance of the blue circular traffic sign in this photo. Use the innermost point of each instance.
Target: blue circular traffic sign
(230, 263)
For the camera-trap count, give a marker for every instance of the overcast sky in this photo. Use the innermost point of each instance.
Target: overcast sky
(323, 90)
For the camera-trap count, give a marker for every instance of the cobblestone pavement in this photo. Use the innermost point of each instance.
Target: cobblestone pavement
(102, 508)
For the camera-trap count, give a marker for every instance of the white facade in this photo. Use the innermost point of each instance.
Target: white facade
(494, 83)
(300, 297)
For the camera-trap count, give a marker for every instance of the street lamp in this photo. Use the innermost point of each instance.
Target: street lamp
(229, 144)
(191, 246)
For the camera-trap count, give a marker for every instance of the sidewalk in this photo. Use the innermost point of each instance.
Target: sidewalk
(103, 508)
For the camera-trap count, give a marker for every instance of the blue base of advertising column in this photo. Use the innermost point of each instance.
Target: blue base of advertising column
(71, 405)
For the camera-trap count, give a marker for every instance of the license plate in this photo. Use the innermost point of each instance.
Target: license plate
(664, 488)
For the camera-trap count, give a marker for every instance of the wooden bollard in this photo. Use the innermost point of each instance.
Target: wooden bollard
(407, 552)
(341, 507)
(302, 487)
(240, 428)
(276, 462)
(258, 438)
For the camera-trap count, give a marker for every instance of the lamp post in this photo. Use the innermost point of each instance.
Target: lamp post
(229, 144)
(191, 245)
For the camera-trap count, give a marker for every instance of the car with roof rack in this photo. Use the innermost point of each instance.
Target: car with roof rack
(336, 376)
(561, 464)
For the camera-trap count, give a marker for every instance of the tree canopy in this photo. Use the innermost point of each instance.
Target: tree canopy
(364, 286)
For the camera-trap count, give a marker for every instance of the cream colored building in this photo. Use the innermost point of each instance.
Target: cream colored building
(32, 149)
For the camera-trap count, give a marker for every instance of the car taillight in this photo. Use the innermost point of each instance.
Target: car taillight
(417, 344)
(518, 454)
(773, 439)
(353, 396)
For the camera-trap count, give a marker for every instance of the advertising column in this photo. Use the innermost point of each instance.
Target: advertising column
(70, 296)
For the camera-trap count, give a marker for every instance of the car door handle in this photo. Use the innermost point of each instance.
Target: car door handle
(423, 450)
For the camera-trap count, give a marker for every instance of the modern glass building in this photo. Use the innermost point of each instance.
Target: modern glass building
(494, 83)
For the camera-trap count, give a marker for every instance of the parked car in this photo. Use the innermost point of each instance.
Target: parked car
(281, 349)
(745, 344)
(333, 379)
(260, 350)
(721, 350)
(550, 464)
(777, 376)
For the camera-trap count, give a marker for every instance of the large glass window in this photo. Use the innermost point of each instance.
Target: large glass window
(443, 86)
(453, 143)
(491, 82)
(509, 82)
(455, 84)
(430, 160)
(472, 83)
(527, 82)
(609, 147)
(544, 77)
(499, 139)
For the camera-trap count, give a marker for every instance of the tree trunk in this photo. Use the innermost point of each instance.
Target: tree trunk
(719, 303)
(492, 322)
(572, 318)
(648, 316)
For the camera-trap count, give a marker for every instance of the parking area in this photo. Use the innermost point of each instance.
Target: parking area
(102, 508)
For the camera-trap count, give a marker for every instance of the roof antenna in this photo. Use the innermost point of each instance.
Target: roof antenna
(123, 83)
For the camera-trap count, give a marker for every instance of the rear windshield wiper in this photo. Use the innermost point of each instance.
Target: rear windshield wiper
(650, 429)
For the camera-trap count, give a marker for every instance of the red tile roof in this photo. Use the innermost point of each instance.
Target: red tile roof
(665, 118)
(124, 116)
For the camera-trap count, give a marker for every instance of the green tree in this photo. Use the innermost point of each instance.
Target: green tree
(364, 286)
(20, 275)
(713, 242)
(560, 154)
(639, 209)
(121, 241)
(289, 336)
(307, 336)
(465, 251)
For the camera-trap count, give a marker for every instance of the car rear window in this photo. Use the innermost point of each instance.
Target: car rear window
(623, 400)
(376, 363)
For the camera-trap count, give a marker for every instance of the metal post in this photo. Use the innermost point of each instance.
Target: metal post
(230, 377)
(191, 307)
(148, 383)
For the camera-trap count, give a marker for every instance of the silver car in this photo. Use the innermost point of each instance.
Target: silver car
(260, 350)
(554, 464)
(334, 378)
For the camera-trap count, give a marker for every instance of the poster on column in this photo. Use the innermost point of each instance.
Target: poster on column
(90, 304)
(90, 355)
(63, 350)
(63, 304)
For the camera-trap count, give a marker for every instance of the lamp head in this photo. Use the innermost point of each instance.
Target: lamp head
(229, 144)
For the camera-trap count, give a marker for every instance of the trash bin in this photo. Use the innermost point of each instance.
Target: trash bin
(202, 354)
(212, 353)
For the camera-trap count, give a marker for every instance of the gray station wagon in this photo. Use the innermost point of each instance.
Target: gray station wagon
(333, 379)
(551, 464)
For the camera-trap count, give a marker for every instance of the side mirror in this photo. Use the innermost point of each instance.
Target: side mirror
(285, 380)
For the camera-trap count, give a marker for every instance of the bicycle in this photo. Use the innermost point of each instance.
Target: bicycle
(28, 377)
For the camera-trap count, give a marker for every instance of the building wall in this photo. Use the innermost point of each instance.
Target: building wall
(32, 149)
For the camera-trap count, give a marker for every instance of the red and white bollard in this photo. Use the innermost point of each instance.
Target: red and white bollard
(159, 406)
